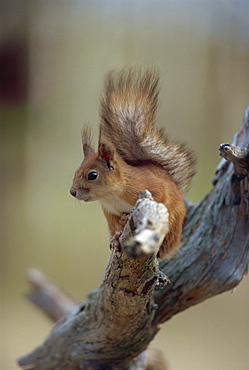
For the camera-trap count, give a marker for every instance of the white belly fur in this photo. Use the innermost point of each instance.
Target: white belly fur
(115, 205)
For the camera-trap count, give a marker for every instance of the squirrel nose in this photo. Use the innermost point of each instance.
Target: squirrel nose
(73, 192)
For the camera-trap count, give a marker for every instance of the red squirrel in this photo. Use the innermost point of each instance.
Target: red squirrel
(134, 156)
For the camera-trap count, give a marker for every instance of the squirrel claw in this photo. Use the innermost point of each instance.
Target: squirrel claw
(114, 243)
(124, 218)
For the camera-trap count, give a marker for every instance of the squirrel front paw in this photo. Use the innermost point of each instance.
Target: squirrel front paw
(114, 243)
(124, 218)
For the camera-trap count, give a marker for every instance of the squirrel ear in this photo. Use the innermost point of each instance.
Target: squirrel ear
(107, 154)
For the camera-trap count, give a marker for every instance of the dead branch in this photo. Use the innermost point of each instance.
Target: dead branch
(47, 296)
(117, 322)
(215, 252)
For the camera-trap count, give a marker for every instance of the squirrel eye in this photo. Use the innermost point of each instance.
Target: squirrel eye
(92, 175)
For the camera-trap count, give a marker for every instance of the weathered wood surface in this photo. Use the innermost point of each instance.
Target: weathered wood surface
(114, 325)
(113, 328)
(215, 252)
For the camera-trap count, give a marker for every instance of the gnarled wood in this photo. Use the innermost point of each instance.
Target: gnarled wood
(215, 252)
(114, 325)
(113, 328)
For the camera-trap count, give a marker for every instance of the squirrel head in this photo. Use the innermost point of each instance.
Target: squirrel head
(98, 173)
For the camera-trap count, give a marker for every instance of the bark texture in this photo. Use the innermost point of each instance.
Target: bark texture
(114, 327)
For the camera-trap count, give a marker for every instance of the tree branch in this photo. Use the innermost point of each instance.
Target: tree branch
(47, 296)
(116, 320)
(215, 252)
(113, 328)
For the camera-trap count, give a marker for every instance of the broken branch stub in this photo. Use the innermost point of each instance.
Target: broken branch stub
(238, 156)
(147, 227)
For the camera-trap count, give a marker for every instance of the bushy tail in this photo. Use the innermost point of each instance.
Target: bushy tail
(127, 112)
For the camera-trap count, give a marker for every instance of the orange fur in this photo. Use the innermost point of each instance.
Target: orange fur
(117, 188)
(133, 156)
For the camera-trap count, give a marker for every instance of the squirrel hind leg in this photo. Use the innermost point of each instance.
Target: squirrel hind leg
(170, 245)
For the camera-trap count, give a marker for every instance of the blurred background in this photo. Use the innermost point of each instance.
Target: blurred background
(54, 56)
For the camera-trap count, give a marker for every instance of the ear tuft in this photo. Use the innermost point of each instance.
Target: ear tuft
(86, 141)
(87, 149)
